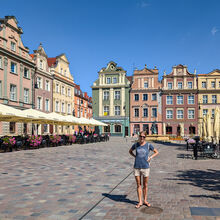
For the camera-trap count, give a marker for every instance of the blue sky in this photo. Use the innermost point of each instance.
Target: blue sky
(132, 33)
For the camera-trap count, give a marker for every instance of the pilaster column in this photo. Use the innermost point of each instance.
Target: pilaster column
(184, 83)
(119, 78)
(111, 107)
(195, 85)
(123, 101)
(139, 83)
(5, 77)
(20, 86)
(100, 103)
(165, 83)
(174, 83)
(153, 82)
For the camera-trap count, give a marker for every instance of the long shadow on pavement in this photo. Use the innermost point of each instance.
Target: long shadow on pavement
(119, 198)
(206, 179)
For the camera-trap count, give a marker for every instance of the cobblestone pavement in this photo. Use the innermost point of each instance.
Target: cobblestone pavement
(66, 182)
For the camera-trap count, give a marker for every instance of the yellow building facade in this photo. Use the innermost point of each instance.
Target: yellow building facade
(208, 96)
(63, 90)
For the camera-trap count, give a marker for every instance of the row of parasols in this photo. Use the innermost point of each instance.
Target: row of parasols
(11, 114)
(208, 130)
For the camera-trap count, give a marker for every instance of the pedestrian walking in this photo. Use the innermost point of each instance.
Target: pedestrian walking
(141, 166)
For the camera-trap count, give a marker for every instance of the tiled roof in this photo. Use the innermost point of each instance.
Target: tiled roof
(129, 78)
(32, 56)
(51, 61)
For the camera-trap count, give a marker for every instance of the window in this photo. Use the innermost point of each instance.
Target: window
(41, 64)
(117, 95)
(26, 98)
(189, 85)
(145, 112)
(218, 82)
(154, 97)
(205, 111)
(118, 128)
(170, 85)
(57, 106)
(191, 114)
(203, 84)
(13, 92)
(169, 114)
(213, 84)
(69, 92)
(68, 109)
(154, 112)
(179, 114)
(47, 105)
(145, 85)
(145, 97)
(117, 110)
(64, 72)
(13, 46)
(114, 80)
(180, 85)
(13, 67)
(81, 101)
(63, 90)
(85, 113)
(191, 99)
(214, 99)
(136, 112)
(57, 88)
(39, 83)
(1, 62)
(47, 85)
(179, 99)
(136, 97)
(26, 72)
(61, 70)
(169, 100)
(63, 107)
(78, 112)
(204, 99)
(39, 103)
(12, 127)
(45, 127)
(106, 110)
(108, 80)
(213, 113)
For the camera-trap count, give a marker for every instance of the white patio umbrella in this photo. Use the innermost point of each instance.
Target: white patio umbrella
(209, 127)
(97, 123)
(204, 130)
(8, 113)
(58, 119)
(72, 120)
(216, 125)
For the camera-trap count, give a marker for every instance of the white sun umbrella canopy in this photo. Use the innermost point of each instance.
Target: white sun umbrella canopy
(84, 121)
(37, 116)
(97, 123)
(72, 120)
(59, 119)
(8, 113)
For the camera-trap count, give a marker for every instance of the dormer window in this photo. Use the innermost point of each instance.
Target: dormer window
(41, 64)
(13, 46)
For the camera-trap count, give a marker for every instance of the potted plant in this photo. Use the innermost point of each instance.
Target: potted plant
(9, 142)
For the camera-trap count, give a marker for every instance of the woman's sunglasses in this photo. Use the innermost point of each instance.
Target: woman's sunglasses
(142, 136)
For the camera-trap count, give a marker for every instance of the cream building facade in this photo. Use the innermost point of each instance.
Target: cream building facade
(208, 96)
(63, 90)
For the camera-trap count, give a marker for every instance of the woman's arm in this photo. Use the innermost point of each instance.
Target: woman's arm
(153, 155)
(131, 152)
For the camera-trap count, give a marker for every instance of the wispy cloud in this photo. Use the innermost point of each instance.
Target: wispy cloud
(143, 4)
(214, 31)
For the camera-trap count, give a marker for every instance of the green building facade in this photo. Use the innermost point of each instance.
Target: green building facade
(110, 95)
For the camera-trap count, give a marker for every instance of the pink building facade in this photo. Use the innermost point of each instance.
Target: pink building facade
(16, 73)
(180, 102)
(145, 102)
(43, 91)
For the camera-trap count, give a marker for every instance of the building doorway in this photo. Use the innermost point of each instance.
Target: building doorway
(146, 128)
(126, 131)
(178, 131)
(136, 129)
(107, 129)
(169, 130)
(192, 130)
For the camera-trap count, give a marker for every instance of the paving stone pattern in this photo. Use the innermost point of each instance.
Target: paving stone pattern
(65, 182)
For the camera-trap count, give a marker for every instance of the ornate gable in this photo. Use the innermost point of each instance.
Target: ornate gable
(112, 67)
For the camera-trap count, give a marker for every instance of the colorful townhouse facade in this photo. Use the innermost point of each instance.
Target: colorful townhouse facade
(43, 87)
(110, 94)
(145, 102)
(208, 96)
(63, 90)
(83, 107)
(180, 102)
(16, 74)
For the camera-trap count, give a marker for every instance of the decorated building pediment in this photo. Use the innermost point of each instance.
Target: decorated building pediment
(112, 67)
